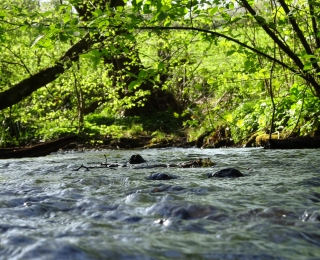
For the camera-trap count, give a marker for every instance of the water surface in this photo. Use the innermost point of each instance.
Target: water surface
(50, 211)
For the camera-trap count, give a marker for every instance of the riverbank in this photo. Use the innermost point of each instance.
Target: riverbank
(77, 143)
(146, 142)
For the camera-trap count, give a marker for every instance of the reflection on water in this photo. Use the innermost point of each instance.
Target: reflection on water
(49, 211)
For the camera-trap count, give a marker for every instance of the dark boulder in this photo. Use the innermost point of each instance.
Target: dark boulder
(161, 176)
(226, 173)
(136, 159)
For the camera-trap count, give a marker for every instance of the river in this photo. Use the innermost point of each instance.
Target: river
(49, 211)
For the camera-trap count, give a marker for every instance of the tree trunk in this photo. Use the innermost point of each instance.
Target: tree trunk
(158, 99)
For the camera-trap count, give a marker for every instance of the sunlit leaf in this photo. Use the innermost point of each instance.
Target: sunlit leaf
(307, 66)
(133, 85)
(2, 14)
(229, 117)
(36, 40)
(240, 123)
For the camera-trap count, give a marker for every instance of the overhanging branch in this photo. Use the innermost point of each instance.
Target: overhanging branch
(228, 38)
(27, 86)
(306, 77)
(300, 34)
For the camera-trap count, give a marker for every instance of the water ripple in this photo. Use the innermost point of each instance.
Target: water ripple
(49, 211)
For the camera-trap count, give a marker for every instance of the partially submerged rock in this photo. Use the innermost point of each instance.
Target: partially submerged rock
(198, 163)
(191, 164)
(226, 173)
(161, 176)
(136, 159)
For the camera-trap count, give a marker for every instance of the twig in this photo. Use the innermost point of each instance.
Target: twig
(82, 166)
(94, 167)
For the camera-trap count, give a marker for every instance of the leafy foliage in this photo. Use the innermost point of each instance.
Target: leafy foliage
(214, 58)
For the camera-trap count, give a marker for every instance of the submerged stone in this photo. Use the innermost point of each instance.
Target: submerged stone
(226, 173)
(161, 176)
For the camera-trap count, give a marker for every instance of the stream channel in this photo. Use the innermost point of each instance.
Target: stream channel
(49, 211)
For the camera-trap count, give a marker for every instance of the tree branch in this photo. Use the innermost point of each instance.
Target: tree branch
(298, 31)
(266, 28)
(228, 38)
(16, 55)
(308, 77)
(15, 63)
(27, 86)
(314, 24)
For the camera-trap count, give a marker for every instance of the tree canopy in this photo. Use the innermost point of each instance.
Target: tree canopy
(80, 66)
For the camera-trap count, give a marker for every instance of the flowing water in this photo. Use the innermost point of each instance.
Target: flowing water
(50, 211)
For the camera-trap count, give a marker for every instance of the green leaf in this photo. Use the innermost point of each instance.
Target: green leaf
(104, 23)
(74, 21)
(160, 65)
(134, 84)
(308, 56)
(272, 25)
(314, 3)
(307, 66)
(142, 74)
(161, 16)
(36, 40)
(167, 23)
(260, 19)
(159, 5)
(236, 19)
(86, 55)
(229, 53)
(198, 86)
(95, 62)
(2, 14)
(95, 53)
(229, 117)
(119, 9)
(46, 14)
(248, 64)
(131, 74)
(146, 9)
(212, 11)
(63, 37)
(294, 91)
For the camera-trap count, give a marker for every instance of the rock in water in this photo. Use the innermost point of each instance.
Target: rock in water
(226, 173)
(136, 159)
(160, 176)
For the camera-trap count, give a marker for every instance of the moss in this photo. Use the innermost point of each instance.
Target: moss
(262, 139)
